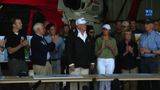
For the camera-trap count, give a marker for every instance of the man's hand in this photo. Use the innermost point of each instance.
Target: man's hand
(54, 38)
(24, 42)
(92, 66)
(144, 50)
(71, 68)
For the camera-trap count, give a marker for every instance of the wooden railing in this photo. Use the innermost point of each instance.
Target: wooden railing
(87, 78)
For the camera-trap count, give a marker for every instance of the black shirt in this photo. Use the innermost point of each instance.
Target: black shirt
(129, 60)
(14, 40)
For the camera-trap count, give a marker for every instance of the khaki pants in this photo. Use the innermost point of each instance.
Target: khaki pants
(43, 70)
(79, 71)
(132, 85)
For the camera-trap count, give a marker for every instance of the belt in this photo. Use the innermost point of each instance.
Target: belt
(148, 57)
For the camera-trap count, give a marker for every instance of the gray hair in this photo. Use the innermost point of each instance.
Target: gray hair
(36, 26)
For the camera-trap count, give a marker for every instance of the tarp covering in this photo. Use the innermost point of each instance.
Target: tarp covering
(47, 7)
(49, 4)
(54, 17)
(134, 9)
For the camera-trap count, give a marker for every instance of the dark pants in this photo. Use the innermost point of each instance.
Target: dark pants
(17, 66)
(149, 65)
(0, 70)
(15, 87)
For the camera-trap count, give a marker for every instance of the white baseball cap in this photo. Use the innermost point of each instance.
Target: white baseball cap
(81, 21)
(106, 26)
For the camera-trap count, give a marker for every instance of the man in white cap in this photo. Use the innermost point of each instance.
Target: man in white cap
(106, 50)
(80, 54)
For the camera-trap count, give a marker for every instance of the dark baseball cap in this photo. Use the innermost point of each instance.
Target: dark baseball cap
(148, 21)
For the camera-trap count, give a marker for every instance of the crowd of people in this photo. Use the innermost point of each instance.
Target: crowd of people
(77, 50)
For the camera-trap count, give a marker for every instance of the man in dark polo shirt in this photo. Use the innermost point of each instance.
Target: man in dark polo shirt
(15, 45)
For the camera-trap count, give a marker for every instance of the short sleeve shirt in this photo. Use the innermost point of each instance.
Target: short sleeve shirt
(14, 40)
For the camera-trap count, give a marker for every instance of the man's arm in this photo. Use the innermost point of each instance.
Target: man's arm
(61, 47)
(12, 50)
(93, 56)
(158, 45)
(69, 51)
